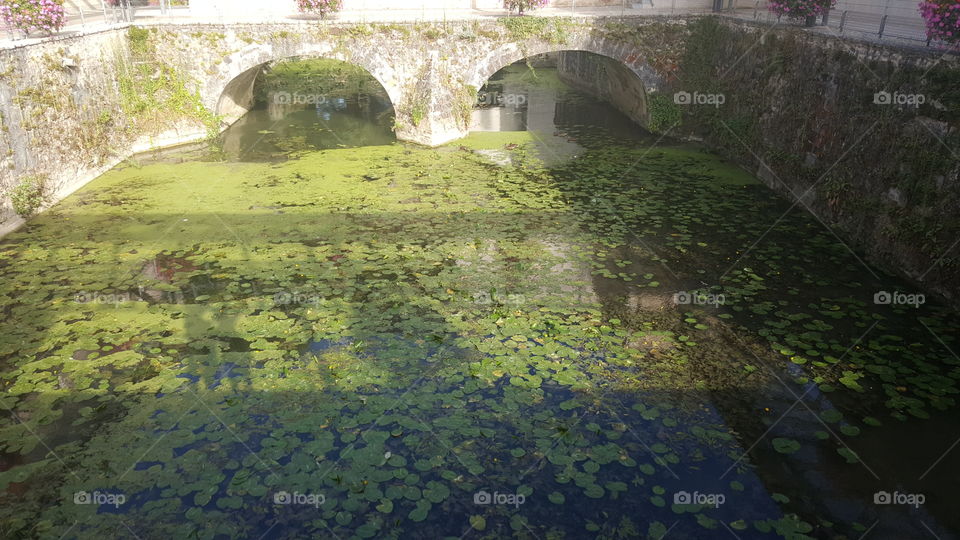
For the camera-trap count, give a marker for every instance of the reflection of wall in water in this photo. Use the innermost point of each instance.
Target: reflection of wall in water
(491, 116)
(369, 107)
(606, 79)
(524, 106)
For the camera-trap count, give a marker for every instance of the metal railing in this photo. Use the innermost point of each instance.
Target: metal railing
(890, 21)
(79, 18)
(881, 20)
(110, 12)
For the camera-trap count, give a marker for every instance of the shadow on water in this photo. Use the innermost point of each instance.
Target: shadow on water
(453, 363)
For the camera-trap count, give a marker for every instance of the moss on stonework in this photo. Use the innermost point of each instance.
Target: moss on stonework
(154, 94)
(552, 30)
(665, 115)
(803, 128)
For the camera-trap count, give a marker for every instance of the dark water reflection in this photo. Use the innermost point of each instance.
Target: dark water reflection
(894, 459)
(272, 131)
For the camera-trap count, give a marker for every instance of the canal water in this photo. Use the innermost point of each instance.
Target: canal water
(559, 327)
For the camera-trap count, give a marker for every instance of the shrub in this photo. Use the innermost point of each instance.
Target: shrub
(33, 15)
(320, 7)
(662, 112)
(523, 5)
(28, 196)
(942, 18)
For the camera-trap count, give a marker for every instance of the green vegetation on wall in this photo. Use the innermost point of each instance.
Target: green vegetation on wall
(28, 195)
(551, 30)
(664, 114)
(891, 195)
(316, 76)
(154, 93)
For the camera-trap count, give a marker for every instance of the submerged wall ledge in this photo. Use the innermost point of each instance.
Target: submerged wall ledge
(83, 176)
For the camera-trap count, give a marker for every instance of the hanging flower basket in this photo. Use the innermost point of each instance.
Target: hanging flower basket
(319, 7)
(806, 10)
(942, 18)
(523, 5)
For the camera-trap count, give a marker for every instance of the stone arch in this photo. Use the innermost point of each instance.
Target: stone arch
(231, 90)
(622, 77)
(510, 53)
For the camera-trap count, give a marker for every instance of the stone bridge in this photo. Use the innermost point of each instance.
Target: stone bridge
(74, 105)
(431, 72)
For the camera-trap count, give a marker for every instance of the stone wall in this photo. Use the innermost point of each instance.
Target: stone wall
(806, 114)
(606, 79)
(65, 119)
(818, 120)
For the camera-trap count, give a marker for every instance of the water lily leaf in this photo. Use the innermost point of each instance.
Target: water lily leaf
(831, 416)
(785, 446)
(478, 522)
(780, 498)
(706, 521)
(848, 454)
(419, 513)
(593, 491)
(849, 430)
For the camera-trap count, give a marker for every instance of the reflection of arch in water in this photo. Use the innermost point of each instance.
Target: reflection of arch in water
(237, 97)
(320, 102)
(610, 70)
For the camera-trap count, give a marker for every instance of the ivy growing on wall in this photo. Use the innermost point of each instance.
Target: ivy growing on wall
(154, 93)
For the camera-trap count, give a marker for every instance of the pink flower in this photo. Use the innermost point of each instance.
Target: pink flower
(940, 15)
(30, 15)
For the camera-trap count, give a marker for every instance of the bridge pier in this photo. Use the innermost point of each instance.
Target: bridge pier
(431, 132)
(434, 110)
